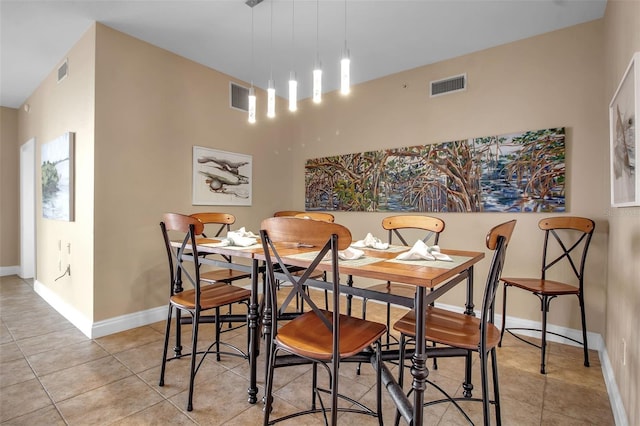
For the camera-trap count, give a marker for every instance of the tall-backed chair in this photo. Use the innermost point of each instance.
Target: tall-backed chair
(317, 336)
(194, 301)
(466, 332)
(426, 228)
(572, 236)
(223, 222)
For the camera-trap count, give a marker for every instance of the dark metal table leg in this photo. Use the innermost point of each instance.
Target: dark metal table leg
(419, 369)
(253, 333)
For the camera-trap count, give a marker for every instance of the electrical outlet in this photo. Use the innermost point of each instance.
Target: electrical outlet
(624, 352)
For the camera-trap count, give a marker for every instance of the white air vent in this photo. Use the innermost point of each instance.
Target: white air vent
(63, 70)
(448, 85)
(239, 97)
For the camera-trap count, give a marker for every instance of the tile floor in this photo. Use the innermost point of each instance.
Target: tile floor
(51, 374)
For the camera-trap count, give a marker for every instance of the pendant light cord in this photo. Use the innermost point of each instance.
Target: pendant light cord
(318, 31)
(345, 24)
(271, 43)
(252, 47)
(293, 32)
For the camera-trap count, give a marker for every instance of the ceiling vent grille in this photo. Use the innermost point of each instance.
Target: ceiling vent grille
(63, 70)
(239, 97)
(448, 85)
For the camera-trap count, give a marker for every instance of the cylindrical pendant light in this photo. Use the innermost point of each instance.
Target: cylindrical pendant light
(293, 92)
(271, 99)
(252, 104)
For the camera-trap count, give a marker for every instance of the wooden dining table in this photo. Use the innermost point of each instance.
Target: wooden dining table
(436, 276)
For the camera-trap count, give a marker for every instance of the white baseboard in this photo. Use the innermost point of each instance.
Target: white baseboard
(594, 340)
(617, 406)
(74, 316)
(129, 321)
(92, 329)
(9, 270)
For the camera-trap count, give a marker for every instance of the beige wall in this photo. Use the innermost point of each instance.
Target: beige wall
(56, 108)
(622, 39)
(9, 188)
(152, 107)
(553, 80)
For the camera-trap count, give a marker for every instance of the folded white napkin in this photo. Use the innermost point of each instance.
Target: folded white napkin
(349, 253)
(241, 238)
(421, 251)
(371, 242)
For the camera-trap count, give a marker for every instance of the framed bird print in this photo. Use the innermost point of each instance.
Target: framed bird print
(221, 178)
(623, 116)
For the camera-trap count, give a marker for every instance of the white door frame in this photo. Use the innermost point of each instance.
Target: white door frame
(28, 209)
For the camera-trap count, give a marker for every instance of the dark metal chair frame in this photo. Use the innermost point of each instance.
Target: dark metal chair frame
(433, 227)
(576, 238)
(223, 292)
(497, 240)
(278, 269)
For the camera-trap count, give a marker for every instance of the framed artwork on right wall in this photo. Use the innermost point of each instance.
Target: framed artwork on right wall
(623, 126)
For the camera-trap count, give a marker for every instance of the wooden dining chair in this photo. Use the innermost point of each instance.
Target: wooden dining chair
(325, 217)
(321, 337)
(198, 299)
(220, 224)
(466, 332)
(223, 222)
(426, 228)
(572, 236)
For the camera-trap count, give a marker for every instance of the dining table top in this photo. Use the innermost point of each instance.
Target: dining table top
(375, 263)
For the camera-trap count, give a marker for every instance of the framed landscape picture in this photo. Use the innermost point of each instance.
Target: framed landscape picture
(56, 166)
(623, 115)
(221, 178)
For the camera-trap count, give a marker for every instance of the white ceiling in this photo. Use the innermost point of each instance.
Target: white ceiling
(383, 36)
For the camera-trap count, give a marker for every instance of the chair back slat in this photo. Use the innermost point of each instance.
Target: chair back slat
(396, 224)
(225, 220)
(282, 213)
(325, 217)
(314, 233)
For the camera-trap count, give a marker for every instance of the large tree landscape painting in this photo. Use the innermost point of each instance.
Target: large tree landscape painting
(521, 172)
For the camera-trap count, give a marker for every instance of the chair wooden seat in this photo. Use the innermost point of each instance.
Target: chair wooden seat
(211, 296)
(355, 335)
(540, 286)
(449, 328)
